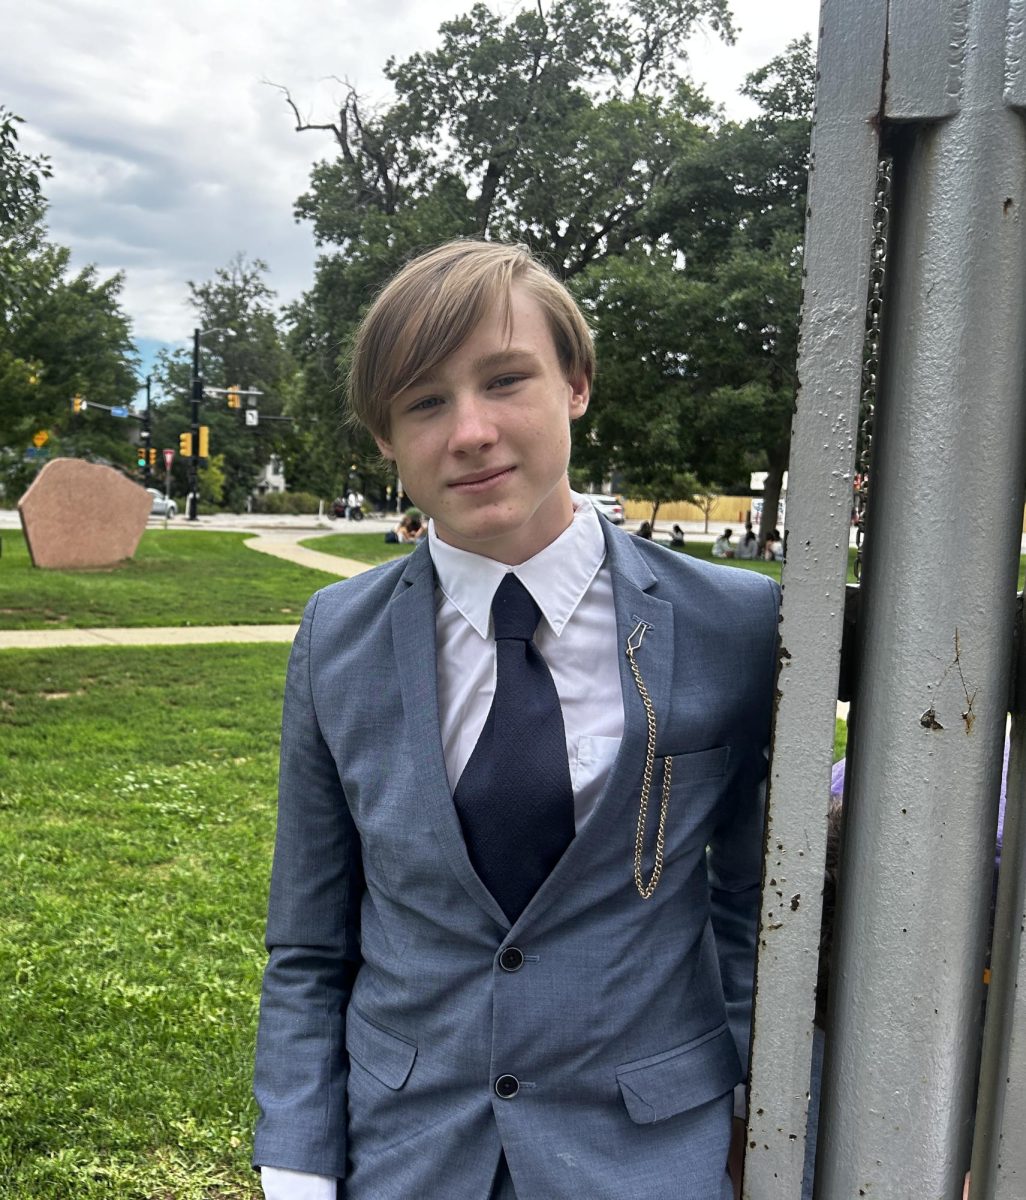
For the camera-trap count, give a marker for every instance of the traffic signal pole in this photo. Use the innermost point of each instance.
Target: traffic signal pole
(147, 437)
(194, 426)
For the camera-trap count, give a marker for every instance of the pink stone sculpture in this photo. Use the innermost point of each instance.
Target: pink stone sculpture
(79, 514)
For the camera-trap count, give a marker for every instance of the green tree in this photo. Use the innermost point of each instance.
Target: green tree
(735, 210)
(555, 126)
(21, 179)
(640, 425)
(61, 332)
(244, 347)
(212, 480)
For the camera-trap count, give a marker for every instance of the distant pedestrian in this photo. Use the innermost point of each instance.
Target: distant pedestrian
(645, 530)
(677, 538)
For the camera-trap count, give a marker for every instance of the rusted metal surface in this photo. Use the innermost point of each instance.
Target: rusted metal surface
(838, 239)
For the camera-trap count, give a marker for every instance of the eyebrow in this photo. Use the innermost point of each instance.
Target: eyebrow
(486, 362)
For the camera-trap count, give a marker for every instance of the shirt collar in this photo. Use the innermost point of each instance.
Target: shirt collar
(557, 577)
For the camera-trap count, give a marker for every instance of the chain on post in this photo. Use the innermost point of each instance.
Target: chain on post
(871, 353)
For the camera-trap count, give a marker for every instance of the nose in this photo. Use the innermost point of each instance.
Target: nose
(473, 425)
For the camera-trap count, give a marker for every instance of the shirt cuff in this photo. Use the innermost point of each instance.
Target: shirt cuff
(279, 1183)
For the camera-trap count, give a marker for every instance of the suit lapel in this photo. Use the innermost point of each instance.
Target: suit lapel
(632, 580)
(413, 637)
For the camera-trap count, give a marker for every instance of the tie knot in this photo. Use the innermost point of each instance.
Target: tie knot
(514, 612)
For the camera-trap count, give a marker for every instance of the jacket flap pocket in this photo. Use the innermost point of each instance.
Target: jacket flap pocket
(672, 1082)
(700, 764)
(387, 1056)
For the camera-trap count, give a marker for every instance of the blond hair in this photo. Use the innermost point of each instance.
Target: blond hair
(431, 307)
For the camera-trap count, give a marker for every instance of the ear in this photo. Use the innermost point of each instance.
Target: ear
(385, 448)
(580, 394)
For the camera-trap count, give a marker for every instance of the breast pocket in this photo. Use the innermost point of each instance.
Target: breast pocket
(698, 765)
(696, 787)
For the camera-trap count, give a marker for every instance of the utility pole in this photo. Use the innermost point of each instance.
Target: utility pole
(147, 436)
(197, 400)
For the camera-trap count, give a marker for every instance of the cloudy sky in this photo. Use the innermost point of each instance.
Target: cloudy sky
(170, 150)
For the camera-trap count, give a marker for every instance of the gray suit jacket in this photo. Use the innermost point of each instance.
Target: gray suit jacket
(386, 1015)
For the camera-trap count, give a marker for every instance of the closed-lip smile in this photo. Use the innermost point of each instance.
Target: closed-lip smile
(481, 479)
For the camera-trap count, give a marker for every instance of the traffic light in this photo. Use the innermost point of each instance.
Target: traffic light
(77, 403)
(140, 457)
(185, 445)
(204, 441)
(234, 399)
(153, 456)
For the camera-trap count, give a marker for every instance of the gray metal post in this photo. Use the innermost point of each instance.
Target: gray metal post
(838, 240)
(938, 610)
(999, 1152)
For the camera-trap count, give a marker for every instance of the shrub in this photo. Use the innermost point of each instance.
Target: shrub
(292, 503)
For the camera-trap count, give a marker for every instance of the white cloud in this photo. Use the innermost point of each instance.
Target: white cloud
(169, 152)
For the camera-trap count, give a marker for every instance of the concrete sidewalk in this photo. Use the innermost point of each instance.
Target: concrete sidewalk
(185, 635)
(286, 547)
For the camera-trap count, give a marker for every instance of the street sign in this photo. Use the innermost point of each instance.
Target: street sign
(252, 416)
(169, 458)
(119, 410)
(41, 438)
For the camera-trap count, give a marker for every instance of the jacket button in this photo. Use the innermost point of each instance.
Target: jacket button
(507, 1086)
(511, 959)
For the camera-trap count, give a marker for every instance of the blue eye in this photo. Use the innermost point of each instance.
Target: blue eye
(428, 402)
(505, 381)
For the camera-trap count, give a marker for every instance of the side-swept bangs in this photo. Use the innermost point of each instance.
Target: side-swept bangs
(433, 305)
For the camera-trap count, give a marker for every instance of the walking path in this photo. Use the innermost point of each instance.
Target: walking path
(174, 635)
(284, 545)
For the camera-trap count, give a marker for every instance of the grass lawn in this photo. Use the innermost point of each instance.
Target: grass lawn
(176, 578)
(361, 547)
(136, 818)
(840, 738)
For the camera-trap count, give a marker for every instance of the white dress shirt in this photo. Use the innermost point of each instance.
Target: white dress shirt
(570, 582)
(576, 635)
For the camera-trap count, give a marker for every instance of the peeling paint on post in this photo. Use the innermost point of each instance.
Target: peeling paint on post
(839, 232)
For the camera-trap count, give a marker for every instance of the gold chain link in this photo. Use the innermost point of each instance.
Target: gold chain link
(645, 890)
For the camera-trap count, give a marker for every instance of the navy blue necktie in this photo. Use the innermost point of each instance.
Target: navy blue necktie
(514, 798)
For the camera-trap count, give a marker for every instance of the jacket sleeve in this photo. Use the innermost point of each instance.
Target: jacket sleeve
(313, 941)
(735, 854)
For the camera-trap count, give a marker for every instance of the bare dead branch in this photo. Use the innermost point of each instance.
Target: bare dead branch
(301, 125)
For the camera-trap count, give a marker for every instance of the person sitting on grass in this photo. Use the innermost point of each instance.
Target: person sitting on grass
(410, 529)
(748, 545)
(722, 547)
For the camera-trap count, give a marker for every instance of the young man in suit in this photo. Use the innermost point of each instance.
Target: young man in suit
(515, 892)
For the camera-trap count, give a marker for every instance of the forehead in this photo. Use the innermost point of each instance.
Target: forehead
(515, 326)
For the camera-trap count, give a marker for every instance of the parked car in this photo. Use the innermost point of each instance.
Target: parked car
(161, 506)
(609, 506)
